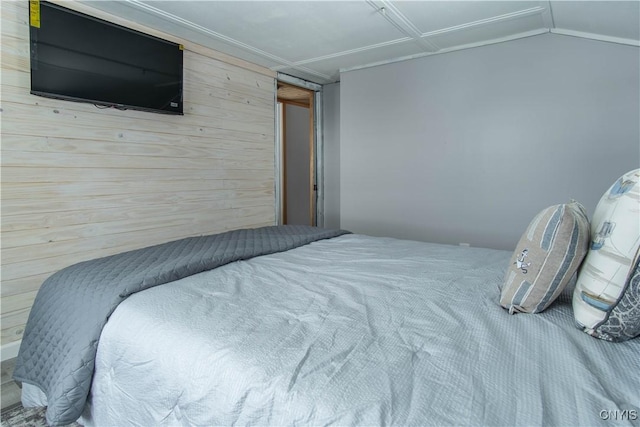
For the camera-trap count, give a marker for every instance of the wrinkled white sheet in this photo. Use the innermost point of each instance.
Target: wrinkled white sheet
(355, 330)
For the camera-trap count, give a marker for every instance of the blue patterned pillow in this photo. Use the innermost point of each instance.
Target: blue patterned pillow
(606, 300)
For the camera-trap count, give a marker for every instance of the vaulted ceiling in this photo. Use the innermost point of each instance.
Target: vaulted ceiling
(316, 40)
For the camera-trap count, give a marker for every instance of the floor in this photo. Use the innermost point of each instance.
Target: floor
(10, 390)
(13, 414)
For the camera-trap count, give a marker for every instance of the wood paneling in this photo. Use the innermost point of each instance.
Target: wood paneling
(79, 182)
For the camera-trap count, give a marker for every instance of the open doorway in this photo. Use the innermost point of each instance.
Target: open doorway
(297, 152)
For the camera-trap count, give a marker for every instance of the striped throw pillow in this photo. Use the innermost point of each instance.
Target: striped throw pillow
(606, 300)
(546, 257)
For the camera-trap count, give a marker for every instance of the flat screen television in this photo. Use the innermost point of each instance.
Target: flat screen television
(77, 57)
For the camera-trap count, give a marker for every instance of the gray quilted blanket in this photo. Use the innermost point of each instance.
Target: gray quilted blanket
(59, 345)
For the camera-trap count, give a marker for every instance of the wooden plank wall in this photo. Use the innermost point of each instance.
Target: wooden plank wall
(80, 182)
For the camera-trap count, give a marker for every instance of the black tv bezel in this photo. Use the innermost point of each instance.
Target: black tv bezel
(99, 103)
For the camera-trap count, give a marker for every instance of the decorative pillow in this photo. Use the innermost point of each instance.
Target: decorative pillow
(548, 254)
(606, 301)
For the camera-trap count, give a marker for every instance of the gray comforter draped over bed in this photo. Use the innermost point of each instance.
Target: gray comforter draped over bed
(59, 345)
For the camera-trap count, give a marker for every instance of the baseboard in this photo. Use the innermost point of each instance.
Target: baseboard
(9, 351)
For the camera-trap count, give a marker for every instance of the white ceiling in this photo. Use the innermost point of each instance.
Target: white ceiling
(316, 40)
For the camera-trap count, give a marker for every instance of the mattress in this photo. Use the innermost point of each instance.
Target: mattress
(354, 330)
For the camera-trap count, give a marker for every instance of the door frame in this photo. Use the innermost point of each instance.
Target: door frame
(316, 184)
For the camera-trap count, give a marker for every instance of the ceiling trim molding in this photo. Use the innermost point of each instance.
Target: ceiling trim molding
(403, 24)
(199, 28)
(452, 49)
(593, 36)
(415, 34)
(481, 22)
(531, 33)
(352, 51)
(547, 16)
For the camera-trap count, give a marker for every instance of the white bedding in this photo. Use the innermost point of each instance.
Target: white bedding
(354, 330)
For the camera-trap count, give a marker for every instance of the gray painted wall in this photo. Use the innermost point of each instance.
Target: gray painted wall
(331, 131)
(468, 146)
(297, 164)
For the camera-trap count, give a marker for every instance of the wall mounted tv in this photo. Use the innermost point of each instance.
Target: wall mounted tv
(77, 57)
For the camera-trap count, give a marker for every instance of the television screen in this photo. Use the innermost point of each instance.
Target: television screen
(77, 57)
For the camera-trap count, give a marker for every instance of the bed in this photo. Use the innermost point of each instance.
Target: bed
(353, 330)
